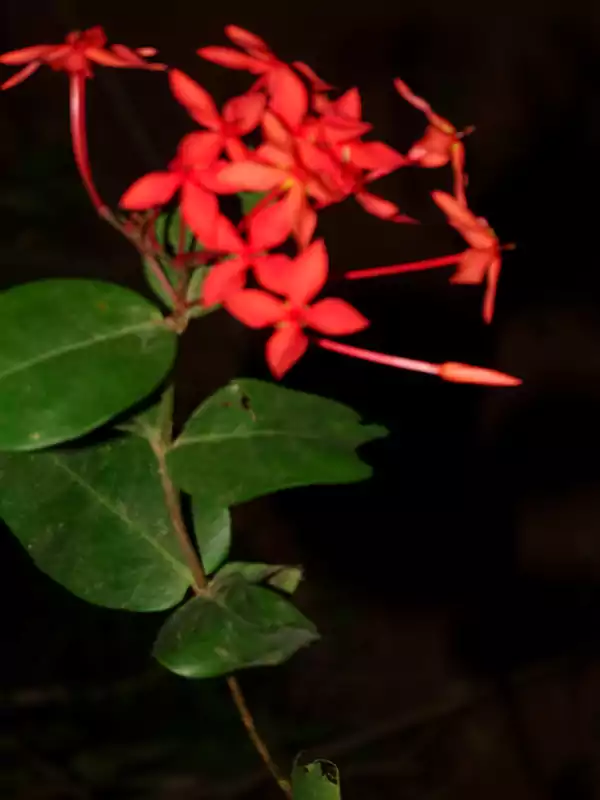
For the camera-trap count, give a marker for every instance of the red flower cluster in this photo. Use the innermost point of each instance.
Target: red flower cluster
(307, 153)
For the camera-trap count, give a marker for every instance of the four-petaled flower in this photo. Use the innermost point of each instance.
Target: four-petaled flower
(240, 115)
(298, 281)
(76, 55)
(482, 259)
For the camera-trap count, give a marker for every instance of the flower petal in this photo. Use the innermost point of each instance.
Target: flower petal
(153, 189)
(317, 83)
(410, 97)
(489, 298)
(255, 308)
(276, 155)
(195, 98)
(107, 58)
(304, 225)
(226, 57)
(223, 280)
(289, 98)
(222, 237)
(335, 317)
(200, 150)
(248, 41)
(200, 209)
(249, 176)
(377, 206)
(308, 273)
(245, 112)
(476, 232)
(377, 157)
(26, 54)
(465, 373)
(21, 75)
(473, 266)
(348, 105)
(271, 225)
(284, 348)
(272, 272)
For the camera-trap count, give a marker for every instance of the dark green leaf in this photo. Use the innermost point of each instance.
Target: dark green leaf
(238, 625)
(286, 579)
(156, 422)
(249, 200)
(251, 438)
(212, 527)
(94, 520)
(319, 780)
(73, 354)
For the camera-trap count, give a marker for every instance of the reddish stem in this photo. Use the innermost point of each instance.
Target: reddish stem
(396, 269)
(77, 85)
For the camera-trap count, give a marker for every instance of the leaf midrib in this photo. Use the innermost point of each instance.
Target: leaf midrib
(59, 351)
(218, 437)
(102, 500)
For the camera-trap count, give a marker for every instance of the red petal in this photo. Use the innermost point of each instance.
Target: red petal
(489, 298)
(317, 83)
(348, 105)
(26, 54)
(275, 155)
(247, 40)
(153, 189)
(223, 280)
(473, 266)
(335, 317)
(200, 150)
(21, 75)
(106, 58)
(377, 205)
(305, 225)
(226, 57)
(275, 132)
(464, 373)
(245, 112)
(377, 157)
(272, 272)
(222, 237)
(249, 176)
(210, 178)
(200, 210)
(196, 99)
(285, 347)
(94, 36)
(408, 95)
(289, 98)
(270, 226)
(307, 274)
(475, 231)
(255, 308)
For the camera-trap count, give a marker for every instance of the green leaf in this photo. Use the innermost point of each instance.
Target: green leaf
(94, 520)
(286, 579)
(249, 200)
(194, 289)
(252, 438)
(156, 422)
(73, 354)
(172, 277)
(237, 625)
(319, 780)
(212, 527)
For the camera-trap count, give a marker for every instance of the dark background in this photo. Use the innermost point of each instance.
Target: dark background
(457, 591)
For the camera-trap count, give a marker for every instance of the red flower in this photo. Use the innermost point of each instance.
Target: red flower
(194, 172)
(441, 144)
(482, 259)
(240, 115)
(289, 98)
(299, 281)
(75, 56)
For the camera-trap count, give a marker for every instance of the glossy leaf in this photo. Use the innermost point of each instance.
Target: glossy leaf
(73, 354)
(212, 528)
(236, 626)
(155, 423)
(94, 520)
(249, 200)
(286, 579)
(252, 438)
(319, 780)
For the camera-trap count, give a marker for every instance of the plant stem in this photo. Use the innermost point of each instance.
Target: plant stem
(199, 587)
(254, 736)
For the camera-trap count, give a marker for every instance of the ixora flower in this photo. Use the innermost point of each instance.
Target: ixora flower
(240, 116)
(76, 55)
(440, 145)
(481, 261)
(298, 281)
(288, 94)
